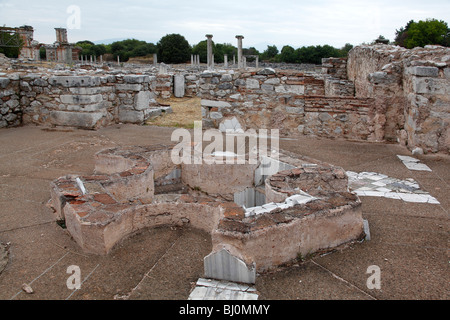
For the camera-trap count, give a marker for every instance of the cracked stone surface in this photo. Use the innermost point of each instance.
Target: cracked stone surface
(372, 184)
(207, 289)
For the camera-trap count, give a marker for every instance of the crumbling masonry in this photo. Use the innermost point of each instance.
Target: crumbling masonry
(257, 219)
(380, 93)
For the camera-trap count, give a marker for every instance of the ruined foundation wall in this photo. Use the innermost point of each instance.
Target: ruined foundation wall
(293, 102)
(410, 89)
(87, 102)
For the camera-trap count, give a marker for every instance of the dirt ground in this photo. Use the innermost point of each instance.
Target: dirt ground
(409, 240)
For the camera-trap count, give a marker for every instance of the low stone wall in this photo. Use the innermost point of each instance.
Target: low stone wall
(87, 102)
(380, 93)
(290, 101)
(10, 108)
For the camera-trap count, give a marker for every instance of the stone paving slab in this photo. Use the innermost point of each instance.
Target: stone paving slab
(413, 163)
(372, 184)
(207, 289)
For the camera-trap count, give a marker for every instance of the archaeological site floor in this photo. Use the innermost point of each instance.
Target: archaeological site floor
(408, 240)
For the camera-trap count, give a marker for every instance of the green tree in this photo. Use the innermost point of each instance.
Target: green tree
(402, 34)
(201, 49)
(220, 49)
(422, 33)
(345, 50)
(174, 48)
(270, 53)
(288, 54)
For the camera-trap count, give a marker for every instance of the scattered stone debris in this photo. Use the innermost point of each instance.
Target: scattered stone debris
(27, 288)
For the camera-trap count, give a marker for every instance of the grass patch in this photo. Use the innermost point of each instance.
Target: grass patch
(185, 112)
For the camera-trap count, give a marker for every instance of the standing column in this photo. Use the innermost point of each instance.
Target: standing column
(155, 59)
(192, 59)
(240, 61)
(225, 61)
(210, 52)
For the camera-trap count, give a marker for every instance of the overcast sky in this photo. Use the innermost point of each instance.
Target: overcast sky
(261, 22)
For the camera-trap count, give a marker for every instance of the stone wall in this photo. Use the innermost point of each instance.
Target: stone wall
(293, 102)
(410, 89)
(10, 109)
(380, 93)
(87, 102)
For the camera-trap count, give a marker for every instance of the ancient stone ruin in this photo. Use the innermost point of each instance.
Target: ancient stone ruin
(380, 93)
(302, 206)
(258, 218)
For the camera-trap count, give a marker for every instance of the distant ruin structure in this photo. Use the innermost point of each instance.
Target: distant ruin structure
(60, 51)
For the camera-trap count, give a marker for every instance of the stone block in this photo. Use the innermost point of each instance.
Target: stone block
(74, 81)
(93, 90)
(226, 77)
(88, 107)
(4, 83)
(266, 72)
(422, 71)
(274, 81)
(225, 86)
(128, 87)
(324, 116)
(230, 125)
(142, 100)
(80, 99)
(224, 266)
(83, 120)
(295, 89)
(252, 84)
(267, 87)
(430, 86)
(130, 116)
(216, 115)
(133, 79)
(179, 86)
(447, 73)
(215, 104)
(40, 82)
(378, 77)
(295, 110)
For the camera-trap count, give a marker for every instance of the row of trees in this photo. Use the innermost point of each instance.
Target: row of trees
(422, 33)
(174, 48)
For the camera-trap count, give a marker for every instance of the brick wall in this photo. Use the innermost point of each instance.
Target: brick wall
(293, 102)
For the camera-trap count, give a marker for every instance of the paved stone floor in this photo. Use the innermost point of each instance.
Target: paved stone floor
(409, 240)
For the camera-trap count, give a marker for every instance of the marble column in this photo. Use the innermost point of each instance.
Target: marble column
(240, 60)
(210, 56)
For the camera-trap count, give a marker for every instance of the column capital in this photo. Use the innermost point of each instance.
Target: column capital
(209, 36)
(239, 37)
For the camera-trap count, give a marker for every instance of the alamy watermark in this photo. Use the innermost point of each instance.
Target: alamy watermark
(211, 147)
(374, 281)
(74, 281)
(74, 19)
